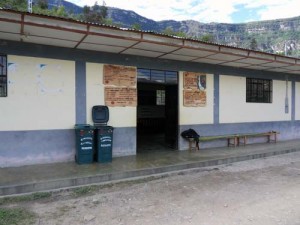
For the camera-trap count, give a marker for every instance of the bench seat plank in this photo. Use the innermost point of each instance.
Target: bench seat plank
(210, 138)
(272, 137)
(235, 139)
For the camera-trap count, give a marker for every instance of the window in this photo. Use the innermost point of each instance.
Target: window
(3, 76)
(157, 76)
(259, 90)
(160, 97)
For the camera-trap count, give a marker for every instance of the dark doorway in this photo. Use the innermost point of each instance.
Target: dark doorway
(157, 110)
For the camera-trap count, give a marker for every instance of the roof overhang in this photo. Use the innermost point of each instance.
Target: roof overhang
(46, 30)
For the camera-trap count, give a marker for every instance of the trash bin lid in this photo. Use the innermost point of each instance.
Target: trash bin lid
(100, 114)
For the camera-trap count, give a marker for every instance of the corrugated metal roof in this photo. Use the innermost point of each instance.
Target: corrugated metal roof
(70, 33)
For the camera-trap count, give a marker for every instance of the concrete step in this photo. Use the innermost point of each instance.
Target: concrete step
(76, 180)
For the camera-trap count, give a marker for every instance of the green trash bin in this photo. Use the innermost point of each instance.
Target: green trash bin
(84, 143)
(104, 142)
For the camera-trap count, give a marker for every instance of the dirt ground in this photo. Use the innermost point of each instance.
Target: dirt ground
(260, 192)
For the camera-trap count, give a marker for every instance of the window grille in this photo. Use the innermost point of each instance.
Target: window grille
(157, 76)
(160, 97)
(259, 90)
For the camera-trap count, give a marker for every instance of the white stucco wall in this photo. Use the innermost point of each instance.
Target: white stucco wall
(197, 115)
(41, 94)
(235, 109)
(297, 101)
(118, 116)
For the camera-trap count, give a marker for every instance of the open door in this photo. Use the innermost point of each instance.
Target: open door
(157, 111)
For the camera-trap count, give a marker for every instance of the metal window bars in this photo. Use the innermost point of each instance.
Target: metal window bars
(259, 90)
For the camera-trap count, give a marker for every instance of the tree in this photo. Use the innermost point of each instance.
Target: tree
(136, 26)
(207, 38)
(43, 4)
(94, 14)
(171, 32)
(181, 34)
(60, 11)
(168, 31)
(253, 44)
(86, 9)
(20, 5)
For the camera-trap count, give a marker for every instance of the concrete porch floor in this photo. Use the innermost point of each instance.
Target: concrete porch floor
(26, 179)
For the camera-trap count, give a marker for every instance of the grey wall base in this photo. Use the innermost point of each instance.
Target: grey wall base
(36, 147)
(20, 148)
(288, 130)
(124, 141)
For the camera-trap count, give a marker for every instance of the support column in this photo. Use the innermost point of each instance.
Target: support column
(216, 98)
(80, 91)
(293, 107)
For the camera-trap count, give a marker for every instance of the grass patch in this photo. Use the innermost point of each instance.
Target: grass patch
(25, 198)
(89, 190)
(81, 191)
(16, 216)
(74, 192)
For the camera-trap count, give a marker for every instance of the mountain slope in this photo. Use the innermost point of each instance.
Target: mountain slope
(273, 36)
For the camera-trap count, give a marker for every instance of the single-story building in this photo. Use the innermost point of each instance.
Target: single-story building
(54, 70)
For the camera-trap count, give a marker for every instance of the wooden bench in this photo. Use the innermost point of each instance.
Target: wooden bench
(271, 135)
(234, 139)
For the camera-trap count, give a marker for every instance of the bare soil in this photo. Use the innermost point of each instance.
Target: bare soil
(261, 192)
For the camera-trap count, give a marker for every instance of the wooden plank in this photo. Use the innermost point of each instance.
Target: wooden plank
(235, 139)
(209, 138)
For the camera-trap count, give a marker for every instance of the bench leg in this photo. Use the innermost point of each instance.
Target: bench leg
(190, 144)
(235, 141)
(242, 140)
(229, 142)
(274, 134)
(191, 141)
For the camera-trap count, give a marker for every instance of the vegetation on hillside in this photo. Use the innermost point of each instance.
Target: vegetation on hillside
(93, 14)
(277, 36)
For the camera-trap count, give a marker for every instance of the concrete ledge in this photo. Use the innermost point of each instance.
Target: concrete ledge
(96, 179)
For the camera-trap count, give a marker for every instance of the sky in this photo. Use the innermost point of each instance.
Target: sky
(221, 11)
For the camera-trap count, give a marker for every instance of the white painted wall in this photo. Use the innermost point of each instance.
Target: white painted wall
(41, 94)
(235, 109)
(297, 101)
(197, 115)
(118, 116)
